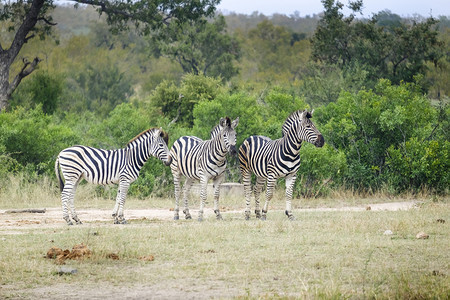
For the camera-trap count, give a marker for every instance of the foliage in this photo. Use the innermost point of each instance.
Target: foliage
(277, 52)
(201, 48)
(42, 88)
(100, 89)
(320, 170)
(419, 164)
(177, 102)
(392, 50)
(366, 124)
(30, 18)
(30, 138)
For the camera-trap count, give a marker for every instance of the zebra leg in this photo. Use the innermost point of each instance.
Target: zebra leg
(67, 196)
(217, 182)
(290, 181)
(120, 201)
(176, 182)
(247, 181)
(269, 194)
(203, 187)
(72, 204)
(258, 188)
(186, 188)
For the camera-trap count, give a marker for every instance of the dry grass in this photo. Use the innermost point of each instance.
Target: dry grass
(321, 255)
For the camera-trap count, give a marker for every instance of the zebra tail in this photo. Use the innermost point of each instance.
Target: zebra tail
(58, 175)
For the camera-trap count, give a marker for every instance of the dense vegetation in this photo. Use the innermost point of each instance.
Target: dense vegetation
(379, 88)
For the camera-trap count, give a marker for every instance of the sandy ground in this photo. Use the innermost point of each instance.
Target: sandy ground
(16, 222)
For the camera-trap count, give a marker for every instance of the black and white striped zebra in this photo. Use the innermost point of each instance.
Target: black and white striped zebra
(272, 159)
(105, 167)
(202, 160)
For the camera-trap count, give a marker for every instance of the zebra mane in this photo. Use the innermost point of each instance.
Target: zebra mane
(216, 128)
(296, 115)
(163, 134)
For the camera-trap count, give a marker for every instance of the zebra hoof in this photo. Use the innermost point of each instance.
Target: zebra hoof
(188, 217)
(124, 222)
(78, 222)
(68, 221)
(219, 217)
(176, 218)
(290, 215)
(200, 219)
(247, 217)
(263, 217)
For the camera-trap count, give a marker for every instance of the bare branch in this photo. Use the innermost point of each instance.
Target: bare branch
(29, 37)
(26, 70)
(105, 9)
(47, 21)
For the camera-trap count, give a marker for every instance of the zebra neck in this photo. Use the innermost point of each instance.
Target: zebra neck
(137, 154)
(292, 144)
(222, 147)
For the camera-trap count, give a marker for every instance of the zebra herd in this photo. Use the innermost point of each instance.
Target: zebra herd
(196, 160)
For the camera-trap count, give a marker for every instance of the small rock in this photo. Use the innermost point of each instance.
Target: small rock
(440, 221)
(388, 232)
(422, 235)
(67, 270)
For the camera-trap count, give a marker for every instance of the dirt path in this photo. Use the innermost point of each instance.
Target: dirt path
(10, 222)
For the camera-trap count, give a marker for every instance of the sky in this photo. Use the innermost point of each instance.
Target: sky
(404, 8)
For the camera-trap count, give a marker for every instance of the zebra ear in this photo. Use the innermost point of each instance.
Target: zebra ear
(235, 123)
(223, 122)
(306, 114)
(157, 132)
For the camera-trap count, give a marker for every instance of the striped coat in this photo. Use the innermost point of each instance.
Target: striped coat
(199, 160)
(98, 166)
(272, 159)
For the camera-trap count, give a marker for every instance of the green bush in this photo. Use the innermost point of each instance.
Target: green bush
(368, 125)
(420, 165)
(320, 170)
(30, 138)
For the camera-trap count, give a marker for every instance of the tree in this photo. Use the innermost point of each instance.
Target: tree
(384, 46)
(202, 48)
(31, 18)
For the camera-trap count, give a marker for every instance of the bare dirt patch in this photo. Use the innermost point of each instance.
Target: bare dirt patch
(53, 216)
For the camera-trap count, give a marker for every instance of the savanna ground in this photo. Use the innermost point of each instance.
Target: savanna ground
(336, 248)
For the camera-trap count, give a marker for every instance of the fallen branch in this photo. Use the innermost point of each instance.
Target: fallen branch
(30, 210)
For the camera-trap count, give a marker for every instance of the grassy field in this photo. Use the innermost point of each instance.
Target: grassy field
(332, 254)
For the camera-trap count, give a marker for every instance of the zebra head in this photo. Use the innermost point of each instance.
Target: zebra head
(158, 145)
(227, 130)
(305, 129)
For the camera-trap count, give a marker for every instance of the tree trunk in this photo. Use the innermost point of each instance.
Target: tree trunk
(8, 55)
(4, 85)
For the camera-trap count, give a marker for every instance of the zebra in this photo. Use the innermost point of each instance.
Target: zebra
(201, 160)
(105, 167)
(272, 159)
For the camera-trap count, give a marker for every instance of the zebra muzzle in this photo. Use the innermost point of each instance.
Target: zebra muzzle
(320, 141)
(233, 150)
(168, 161)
